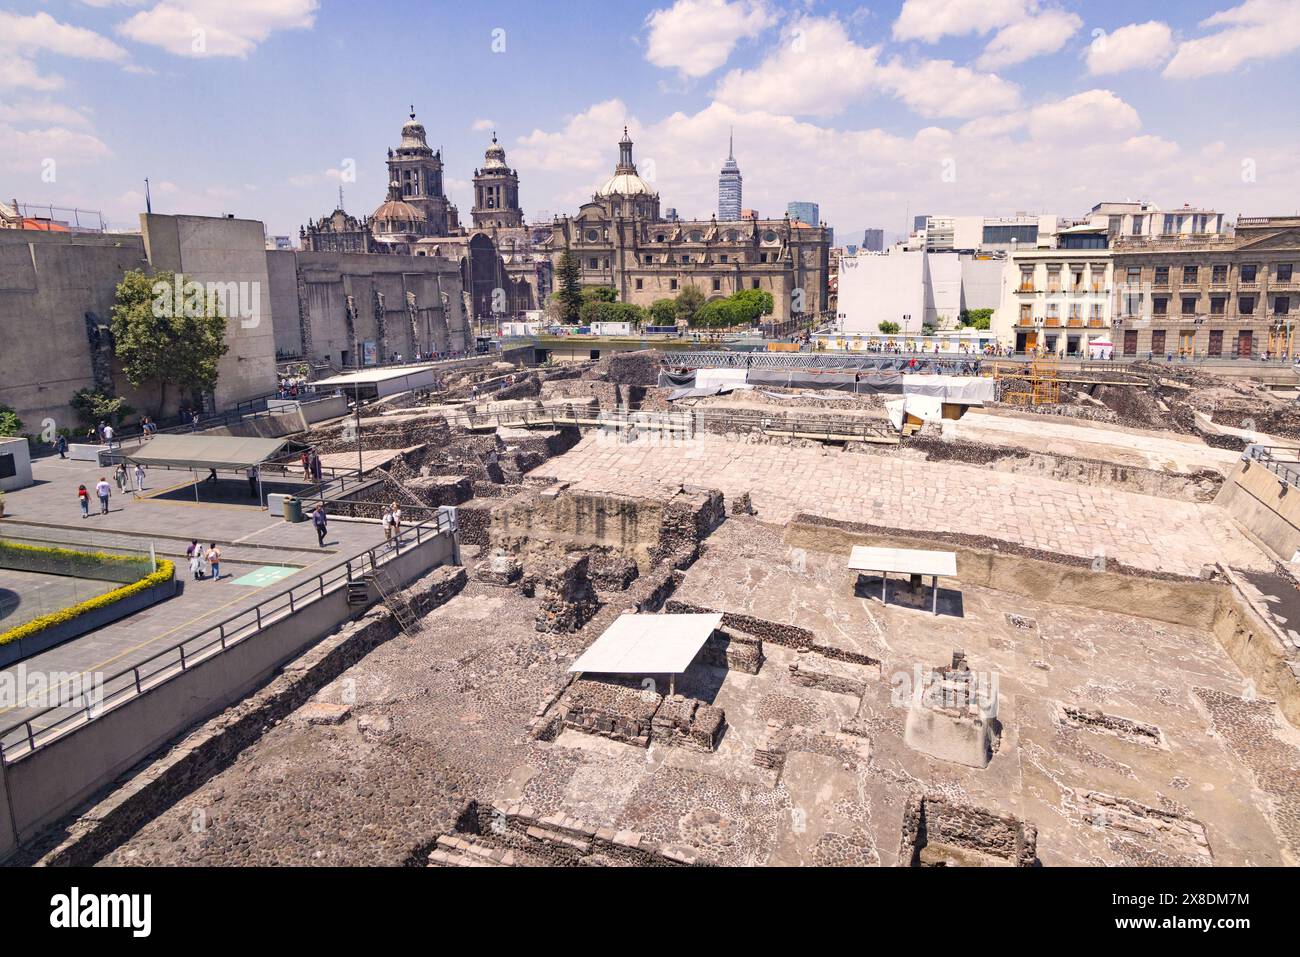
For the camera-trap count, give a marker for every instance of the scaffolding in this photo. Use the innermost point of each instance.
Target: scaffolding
(1037, 382)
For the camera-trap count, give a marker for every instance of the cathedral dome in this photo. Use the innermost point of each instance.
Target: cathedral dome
(397, 210)
(413, 135)
(495, 157)
(625, 184)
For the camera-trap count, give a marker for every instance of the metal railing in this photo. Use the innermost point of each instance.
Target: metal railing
(827, 361)
(1283, 461)
(23, 737)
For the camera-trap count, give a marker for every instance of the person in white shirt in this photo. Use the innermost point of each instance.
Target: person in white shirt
(388, 525)
(103, 490)
(397, 518)
(108, 435)
(139, 476)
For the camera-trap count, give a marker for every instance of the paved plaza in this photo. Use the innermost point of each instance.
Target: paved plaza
(28, 595)
(1138, 530)
(261, 555)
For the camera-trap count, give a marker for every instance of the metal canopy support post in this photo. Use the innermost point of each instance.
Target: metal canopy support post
(934, 586)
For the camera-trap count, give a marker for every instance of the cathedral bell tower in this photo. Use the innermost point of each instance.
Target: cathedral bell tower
(496, 191)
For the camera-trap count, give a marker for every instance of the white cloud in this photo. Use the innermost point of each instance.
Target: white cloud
(932, 20)
(1135, 46)
(587, 142)
(41, 32)
(231, 28)
(18, 73)
(1255, 30)
(1095, 116)
(482, 126)
(23, 151)
(816, 71)
(1029, 38)
(940, 88)
(695, 37)
(28, 111)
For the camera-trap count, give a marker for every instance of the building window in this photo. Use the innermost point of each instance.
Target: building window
(1026, 278)
(724, 258)
(1026, 314)
(639, 284)
(753, 284)
(672, 283)
(717, 284)
(1191, 274)
(1283, 272)
(1282, 305)
(1220, 274)
(1189, 305)
(762, 257)
(1246, 305)
(1135, 275)
(593, 263)
(1248, 272)
(1137, 225)
(1162, 275)
(1159, 305)
(1218, 305)
(1158, 340)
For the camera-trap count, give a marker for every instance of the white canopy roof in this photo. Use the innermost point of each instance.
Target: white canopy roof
(648, 644)
(907, 561)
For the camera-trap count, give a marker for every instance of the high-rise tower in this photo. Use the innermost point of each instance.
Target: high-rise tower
(417, 170)
(729, 185)
(496, 191)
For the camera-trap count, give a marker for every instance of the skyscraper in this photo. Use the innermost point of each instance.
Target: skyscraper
(808, 213)
(729, 185)
(873, 240)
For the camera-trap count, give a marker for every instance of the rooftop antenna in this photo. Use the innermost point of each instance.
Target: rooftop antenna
(148, 201)
(340, 196)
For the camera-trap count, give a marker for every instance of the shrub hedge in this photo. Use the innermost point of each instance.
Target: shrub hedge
(166, 570)
(66, 561)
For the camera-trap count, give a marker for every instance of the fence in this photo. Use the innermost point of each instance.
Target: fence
(23, 737)
(1283, 461)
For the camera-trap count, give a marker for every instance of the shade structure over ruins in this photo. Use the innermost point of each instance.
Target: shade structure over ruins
(648, 644)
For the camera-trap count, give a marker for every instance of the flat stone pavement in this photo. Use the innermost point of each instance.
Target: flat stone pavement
(1139, 530)
(248, 536)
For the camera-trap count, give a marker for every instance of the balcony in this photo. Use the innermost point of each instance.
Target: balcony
(1096, 323)
(1029, 287)
(1075, 322)
(1052, 321)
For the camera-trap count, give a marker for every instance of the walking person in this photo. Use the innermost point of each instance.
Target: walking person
(316, 471)
(139, 477)
(397, 519)
(61, 446)
(103, 490)
(100, 428)
(318, 519)
(119, 476)
(387, 521)
(214, 560)
(108, 436)
(195, 555)
(305, 459)
(252, 481)
(84, 498)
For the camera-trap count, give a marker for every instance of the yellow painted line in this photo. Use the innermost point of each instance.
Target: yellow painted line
(99, 666)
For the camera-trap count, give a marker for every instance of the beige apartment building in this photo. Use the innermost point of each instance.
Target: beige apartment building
(1208, 295)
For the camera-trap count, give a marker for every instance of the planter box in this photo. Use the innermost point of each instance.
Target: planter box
(83, 624)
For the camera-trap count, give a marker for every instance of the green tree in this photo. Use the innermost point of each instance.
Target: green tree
(889, 328)
(976, 318)
(753, 304)
(10, 424)
(92, 407)
(599, 294)
(689, 300)
(157, 338)
(568, 274)
(719, 314)
(663, 312)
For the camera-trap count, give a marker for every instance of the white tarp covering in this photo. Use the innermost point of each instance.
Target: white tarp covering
(648, 645)
(960, 389)
(713, 378)
(927, 408)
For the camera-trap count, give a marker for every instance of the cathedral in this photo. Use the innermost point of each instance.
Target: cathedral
(502, 275)
(621, 240)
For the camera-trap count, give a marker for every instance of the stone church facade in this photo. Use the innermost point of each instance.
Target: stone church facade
(621, 239)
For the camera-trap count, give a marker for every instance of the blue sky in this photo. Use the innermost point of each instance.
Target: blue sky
(874, 110)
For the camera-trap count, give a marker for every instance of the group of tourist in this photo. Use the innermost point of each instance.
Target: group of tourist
(204, 562)
(311, 467)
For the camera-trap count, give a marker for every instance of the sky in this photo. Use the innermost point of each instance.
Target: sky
(877, 111)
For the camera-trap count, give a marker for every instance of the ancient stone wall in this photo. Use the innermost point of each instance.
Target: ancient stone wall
(934, 819)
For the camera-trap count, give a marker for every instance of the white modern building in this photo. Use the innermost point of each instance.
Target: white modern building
(913, 289)
(1056, 301)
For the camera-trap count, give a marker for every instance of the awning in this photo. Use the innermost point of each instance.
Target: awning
(907, 561)
(205, 451)
(648, 645)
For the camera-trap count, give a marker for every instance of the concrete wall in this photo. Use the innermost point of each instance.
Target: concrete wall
(8, 834)
(876, 289)
(50, 782)
(209, 249)
(22, 476)
(47, 290)
(328, 279)
(1253, 496)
